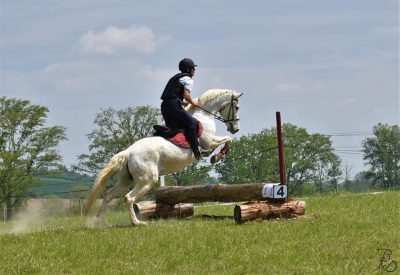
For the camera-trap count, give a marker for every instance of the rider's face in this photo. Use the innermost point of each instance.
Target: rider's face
(192, 71)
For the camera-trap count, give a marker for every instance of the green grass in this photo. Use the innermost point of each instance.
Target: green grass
(340, 234)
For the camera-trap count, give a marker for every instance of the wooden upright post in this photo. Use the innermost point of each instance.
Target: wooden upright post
(281, 155)
(276, 208)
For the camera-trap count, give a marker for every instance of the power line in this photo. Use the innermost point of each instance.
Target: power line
(45, 194)
(346, 134)
(350, 153)
(62, 183)
(349, 147)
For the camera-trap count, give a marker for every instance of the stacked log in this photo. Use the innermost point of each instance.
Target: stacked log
(268, 209)
(207, 193)
(158, 210)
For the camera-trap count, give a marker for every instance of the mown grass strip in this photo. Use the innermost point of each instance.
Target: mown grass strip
(339, 235)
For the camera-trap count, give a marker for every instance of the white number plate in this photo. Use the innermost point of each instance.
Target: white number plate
(275, 191)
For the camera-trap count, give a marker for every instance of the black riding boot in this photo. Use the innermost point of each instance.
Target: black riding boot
(191, 136)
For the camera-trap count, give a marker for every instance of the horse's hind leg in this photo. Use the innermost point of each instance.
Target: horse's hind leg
(121, 186)
(110, 195)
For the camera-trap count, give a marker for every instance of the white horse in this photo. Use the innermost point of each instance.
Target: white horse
(144, 161)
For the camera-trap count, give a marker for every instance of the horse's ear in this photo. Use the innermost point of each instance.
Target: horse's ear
(240, 95)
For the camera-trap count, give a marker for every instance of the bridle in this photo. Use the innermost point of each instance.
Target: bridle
(231, 113)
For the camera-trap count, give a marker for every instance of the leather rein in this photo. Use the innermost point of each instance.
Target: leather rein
(231, 113)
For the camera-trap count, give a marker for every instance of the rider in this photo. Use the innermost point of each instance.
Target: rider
(176, 93)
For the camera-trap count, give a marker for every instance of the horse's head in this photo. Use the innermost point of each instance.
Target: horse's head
(230, 112)
(222, 102)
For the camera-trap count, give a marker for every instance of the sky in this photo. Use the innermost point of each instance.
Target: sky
(331, 67)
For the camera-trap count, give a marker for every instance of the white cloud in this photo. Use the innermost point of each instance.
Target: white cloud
(113, 39)
(101, 76)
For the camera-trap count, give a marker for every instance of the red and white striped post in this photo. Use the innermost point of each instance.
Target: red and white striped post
(281, 155)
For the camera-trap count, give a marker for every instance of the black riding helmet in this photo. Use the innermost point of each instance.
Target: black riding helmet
(185, 64)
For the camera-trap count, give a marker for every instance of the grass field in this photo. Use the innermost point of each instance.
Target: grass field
(340, 234)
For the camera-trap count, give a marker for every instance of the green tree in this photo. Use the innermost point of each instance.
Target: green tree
(196, 173)
(363, 181)
(382, 153)
(309, 158)
(252, 158)
(115, 131)
(26, 145)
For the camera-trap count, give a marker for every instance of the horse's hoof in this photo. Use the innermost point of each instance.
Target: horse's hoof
(95, 222)
(205, 152)
(100, 222)
(139, 223)
(214, 159)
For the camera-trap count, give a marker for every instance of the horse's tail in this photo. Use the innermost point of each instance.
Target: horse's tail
(116, 164)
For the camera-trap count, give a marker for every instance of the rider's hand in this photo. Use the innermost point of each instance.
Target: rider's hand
(195, 102)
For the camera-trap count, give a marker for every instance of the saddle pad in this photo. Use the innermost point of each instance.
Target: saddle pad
(178, 138)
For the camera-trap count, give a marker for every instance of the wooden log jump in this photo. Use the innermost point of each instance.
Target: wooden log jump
(257, 206)
(156, 210)
(208, 193)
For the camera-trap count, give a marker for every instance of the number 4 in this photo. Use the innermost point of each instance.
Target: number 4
(281, 192)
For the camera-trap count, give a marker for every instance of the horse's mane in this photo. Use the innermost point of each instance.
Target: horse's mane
(210, 95)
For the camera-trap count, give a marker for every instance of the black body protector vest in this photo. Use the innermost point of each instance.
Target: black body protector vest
(174, 88)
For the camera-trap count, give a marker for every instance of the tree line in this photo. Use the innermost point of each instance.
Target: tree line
(28, 148)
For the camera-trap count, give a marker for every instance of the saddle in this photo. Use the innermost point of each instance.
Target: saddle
(176, 136)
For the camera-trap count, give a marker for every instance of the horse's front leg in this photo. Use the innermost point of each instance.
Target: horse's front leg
(216, 142)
